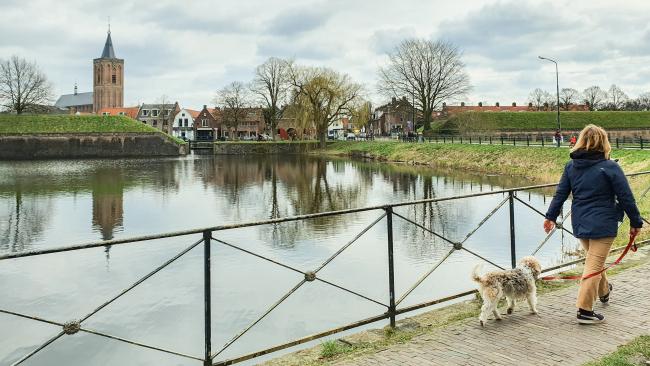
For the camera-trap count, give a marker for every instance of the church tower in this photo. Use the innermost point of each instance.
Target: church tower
(108, 78)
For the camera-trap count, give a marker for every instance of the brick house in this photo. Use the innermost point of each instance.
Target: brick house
(131, 112)
(207, 124)
(394, 117)
(160, 116)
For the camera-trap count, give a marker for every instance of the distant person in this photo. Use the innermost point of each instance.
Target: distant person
(557, 137)
(572, 141)
(596, 183)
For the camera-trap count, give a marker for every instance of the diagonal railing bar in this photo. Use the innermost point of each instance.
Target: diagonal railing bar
(485, 219)
(550, 234)
(424, 228)
(424, 277)
(297, 270)
(267, 312)
(91, 331)
(646, 220)
(331, 258)
(481, 257)
(541, 213)
(100, 307)
(258, 255)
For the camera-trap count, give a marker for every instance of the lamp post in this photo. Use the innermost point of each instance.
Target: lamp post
(557, 85)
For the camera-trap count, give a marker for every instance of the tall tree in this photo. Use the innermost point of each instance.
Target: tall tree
(22, 84)
(270, 85)
(430, 70)
(616, 98)
(322, 96)
(234, 99)
(594, 96)
(644, 101)
(361, 115)
(540, 98)
(568, 96)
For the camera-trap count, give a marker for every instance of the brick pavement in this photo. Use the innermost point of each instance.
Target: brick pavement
(553, 338)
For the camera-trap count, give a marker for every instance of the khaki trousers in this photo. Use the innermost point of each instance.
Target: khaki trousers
(597, 251)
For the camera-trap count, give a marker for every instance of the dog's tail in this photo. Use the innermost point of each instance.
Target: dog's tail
(475, 275)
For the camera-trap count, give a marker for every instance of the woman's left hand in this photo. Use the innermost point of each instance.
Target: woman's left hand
(548, 225)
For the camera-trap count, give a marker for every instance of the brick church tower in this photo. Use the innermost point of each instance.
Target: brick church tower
(108, 78)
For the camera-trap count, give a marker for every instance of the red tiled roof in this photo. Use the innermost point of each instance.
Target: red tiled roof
(131, 112)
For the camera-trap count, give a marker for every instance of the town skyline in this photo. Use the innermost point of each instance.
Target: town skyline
(500, 42)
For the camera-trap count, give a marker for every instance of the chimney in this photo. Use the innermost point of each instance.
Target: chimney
(497, 104)
(205, 106)
(462, 104)
(480, 104)
(530, 104)
(444, 104)
(75, 88)
(514, 104)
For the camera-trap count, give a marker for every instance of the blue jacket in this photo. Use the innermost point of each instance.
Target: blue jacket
(596, 184)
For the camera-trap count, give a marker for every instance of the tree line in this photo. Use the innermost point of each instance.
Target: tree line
(613, 99)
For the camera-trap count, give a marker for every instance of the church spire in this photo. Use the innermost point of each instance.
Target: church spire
(108, 46)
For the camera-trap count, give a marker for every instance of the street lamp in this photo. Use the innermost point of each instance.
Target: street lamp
(557, 84)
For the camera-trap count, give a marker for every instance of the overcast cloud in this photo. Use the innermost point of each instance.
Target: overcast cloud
(188, 50)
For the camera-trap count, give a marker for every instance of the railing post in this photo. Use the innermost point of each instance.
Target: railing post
(391, 268)
(641, 142)
(207, 235)
(617, 143)
(490, 140)
(542, 140)
(511, 204)
(501, 139)
(527, 140)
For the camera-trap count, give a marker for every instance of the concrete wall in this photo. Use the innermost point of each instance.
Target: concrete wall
(244, 148)
(100, 145)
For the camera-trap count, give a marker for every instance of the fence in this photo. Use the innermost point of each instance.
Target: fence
(210, 237)
(522, 140)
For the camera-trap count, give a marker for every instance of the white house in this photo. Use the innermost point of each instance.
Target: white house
(183, 124)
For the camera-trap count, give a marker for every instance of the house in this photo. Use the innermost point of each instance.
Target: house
(76, 102)
(183, 124)
(394, 117)
(160, 115)
(207, 124)
(131, 112)
(252, 125)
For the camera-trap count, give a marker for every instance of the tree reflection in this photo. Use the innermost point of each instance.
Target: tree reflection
(22, 221)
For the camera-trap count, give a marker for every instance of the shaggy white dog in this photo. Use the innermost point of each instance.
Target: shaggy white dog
(514, 284)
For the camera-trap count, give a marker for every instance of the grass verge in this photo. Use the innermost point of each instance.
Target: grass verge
(634, 353)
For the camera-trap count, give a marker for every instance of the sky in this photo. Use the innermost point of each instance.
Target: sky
(189, 50)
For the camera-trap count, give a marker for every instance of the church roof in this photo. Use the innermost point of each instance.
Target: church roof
(71, 100)
(108, 48)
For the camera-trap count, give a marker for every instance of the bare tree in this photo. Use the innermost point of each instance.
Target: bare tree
(617, 98)
(644, 101)
(540, 98)
(234, 99)
(22, 84)
(594, 96)
(568, 96)
(322, 96)
(430, 70)
(271, 85)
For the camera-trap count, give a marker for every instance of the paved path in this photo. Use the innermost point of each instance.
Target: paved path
(553, 338)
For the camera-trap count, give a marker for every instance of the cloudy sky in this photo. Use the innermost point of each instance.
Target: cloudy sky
(188, 50)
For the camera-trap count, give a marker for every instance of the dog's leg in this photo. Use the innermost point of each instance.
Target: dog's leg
(495, 311)
(511, 304)
(532, 301)
(485, 310)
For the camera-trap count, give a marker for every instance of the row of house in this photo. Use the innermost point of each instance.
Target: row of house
(189, 124)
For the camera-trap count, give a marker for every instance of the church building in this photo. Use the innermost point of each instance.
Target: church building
(108, 85)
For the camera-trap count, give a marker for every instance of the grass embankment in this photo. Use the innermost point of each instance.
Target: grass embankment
(540, 121)
(634, 353)
(70, 124)
(543, 165)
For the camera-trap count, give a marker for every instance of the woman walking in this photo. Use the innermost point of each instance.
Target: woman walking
(600, 195)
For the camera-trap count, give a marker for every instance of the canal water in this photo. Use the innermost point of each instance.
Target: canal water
(64, 202)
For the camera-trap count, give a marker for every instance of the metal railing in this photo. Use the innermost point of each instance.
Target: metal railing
(522, 140)
(209, 237)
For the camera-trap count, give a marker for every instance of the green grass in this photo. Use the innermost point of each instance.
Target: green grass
(70, 124)
(333, 348)
(548, 163)
(542, 121)
(34, 124)
(634, 353)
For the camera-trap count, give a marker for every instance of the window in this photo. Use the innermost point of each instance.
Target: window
(143, 121)
(166, 112)
(121, 113)
(145, 112)
(185, 122)
(204, 122)
(155, 122)
(105, 114)
(114, 79)
(182, 114)
(154, 112)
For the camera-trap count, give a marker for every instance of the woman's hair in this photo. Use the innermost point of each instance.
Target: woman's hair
(593, 138)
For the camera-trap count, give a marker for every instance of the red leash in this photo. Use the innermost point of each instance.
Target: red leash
(630, 245)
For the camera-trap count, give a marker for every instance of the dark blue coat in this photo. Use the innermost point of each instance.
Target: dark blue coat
(596, 184)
